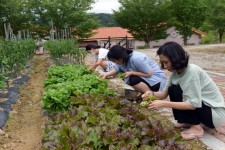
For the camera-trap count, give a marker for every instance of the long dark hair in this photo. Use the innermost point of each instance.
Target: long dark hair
(118, 52)
(176, 54)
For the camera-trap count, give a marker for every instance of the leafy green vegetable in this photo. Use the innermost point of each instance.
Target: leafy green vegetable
(153, 97)
(121, 75)
(104, 122)
(146, 103)
(71, 80)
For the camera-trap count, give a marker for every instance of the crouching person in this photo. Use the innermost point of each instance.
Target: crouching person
(140, 72)
(194, 97)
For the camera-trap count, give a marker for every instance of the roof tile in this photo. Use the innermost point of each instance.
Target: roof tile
(113, 32)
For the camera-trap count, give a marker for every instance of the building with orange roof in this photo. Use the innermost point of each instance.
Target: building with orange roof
(113, 32)
(109, 36)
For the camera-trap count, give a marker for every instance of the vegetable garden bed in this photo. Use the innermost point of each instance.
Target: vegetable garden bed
(103, 122)
(96, 119)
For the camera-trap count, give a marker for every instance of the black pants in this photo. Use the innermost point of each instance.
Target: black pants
(199, 115)
(135, 80)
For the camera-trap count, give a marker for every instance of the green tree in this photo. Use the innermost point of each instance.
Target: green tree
(217, 18)
(106, 20)
(40, 24)
(38, 15)
(14, 12)
(188, 14)
(146, 20)
(70, 14)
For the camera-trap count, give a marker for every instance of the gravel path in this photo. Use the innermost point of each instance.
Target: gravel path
(209, 57)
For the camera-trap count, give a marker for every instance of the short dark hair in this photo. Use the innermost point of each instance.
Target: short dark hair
(119, 52)
(176, 54)
(90, 46)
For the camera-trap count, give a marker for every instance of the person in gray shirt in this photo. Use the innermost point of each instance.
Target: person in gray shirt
(140, 72)
(194, 97)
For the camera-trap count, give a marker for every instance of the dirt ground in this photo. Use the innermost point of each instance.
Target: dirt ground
(209, 57)
(25, 127)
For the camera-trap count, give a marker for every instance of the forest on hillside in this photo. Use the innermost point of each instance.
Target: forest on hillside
(106, 20)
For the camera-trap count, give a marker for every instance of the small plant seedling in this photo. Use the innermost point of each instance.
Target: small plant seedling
(147, 102)
(121, 75)
(152, 98)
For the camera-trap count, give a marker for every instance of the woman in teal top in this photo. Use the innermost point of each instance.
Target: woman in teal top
(194, 97)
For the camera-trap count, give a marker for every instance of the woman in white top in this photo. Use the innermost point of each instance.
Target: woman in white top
(101, 59)
(194, 97)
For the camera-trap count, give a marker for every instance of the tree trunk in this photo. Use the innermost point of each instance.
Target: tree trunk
(220, 37)
(220, 32)
(185, 39)
(147, 43)
(2, 33)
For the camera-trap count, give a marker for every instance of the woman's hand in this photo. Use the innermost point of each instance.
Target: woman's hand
(107, 74)
(90, 69)
(103, 75)
(146, 95)
(127, 74)
(155, 105)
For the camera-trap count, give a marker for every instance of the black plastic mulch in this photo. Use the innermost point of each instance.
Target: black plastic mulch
(12, 96)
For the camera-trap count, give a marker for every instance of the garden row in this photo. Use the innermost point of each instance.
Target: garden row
(85, 114)
(14, 56)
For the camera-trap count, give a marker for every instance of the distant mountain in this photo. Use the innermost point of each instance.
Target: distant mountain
(106, 20)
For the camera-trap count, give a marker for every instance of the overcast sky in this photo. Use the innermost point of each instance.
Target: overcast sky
(105, 6)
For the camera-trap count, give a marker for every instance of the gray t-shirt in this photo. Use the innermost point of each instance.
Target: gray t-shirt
(198, 87)
(140, 62)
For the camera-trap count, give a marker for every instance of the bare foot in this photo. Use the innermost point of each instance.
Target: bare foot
(190, 136)
(221, 129)
(182, 125)
(195, 131)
